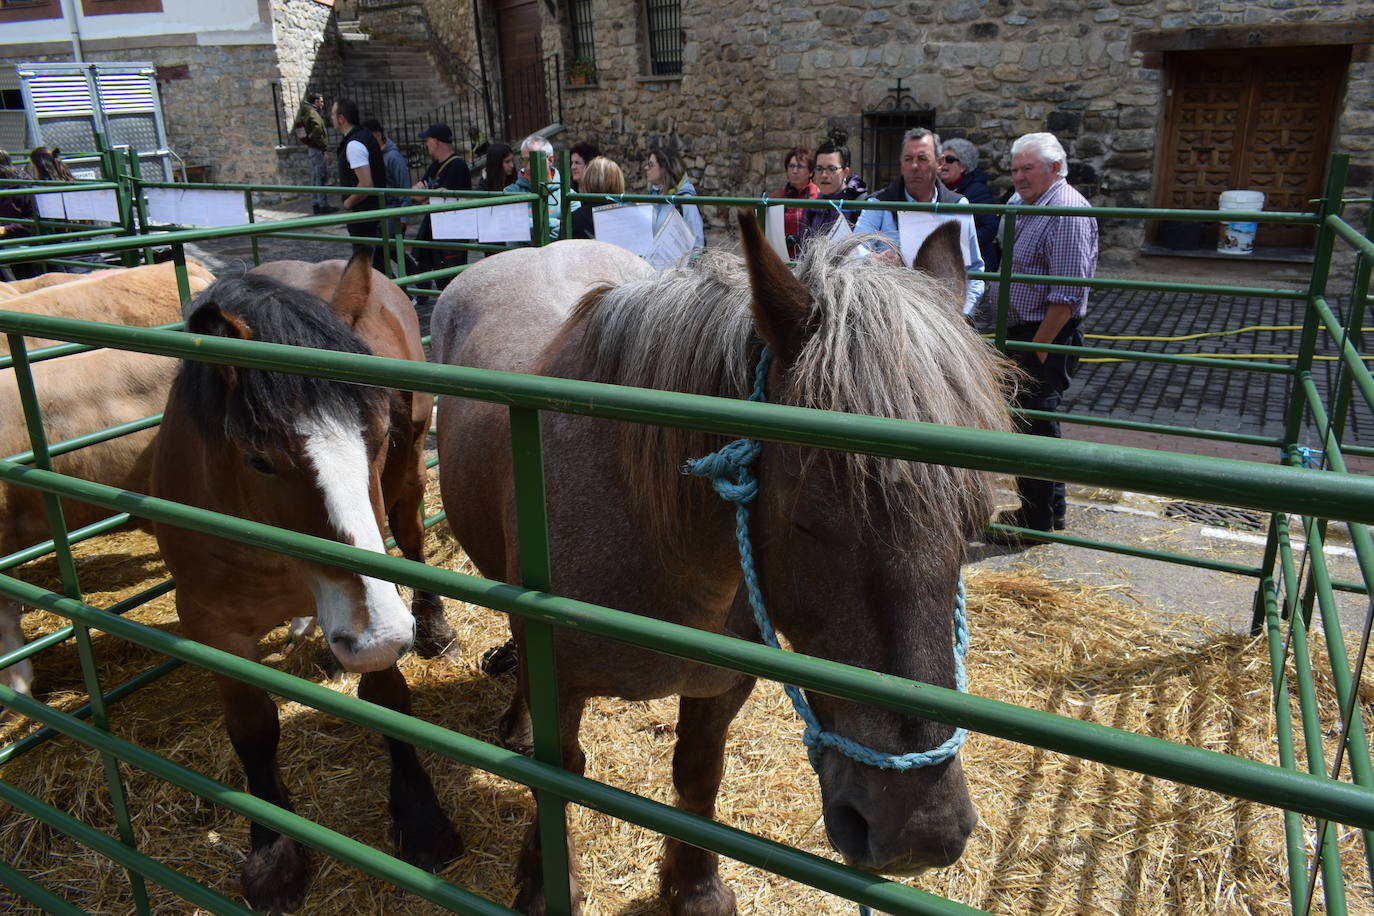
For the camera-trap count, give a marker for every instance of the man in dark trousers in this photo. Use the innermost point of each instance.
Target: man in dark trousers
(449, 171)
(1057, 246)
(360, 166)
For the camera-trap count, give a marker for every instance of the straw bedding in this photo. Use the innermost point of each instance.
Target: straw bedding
(1057, 835)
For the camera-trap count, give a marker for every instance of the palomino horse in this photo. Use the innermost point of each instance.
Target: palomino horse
(82, 394)
(858, 557)
(325, 458)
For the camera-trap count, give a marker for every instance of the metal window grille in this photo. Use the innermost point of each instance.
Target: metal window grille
(580, 22)
(665, 36)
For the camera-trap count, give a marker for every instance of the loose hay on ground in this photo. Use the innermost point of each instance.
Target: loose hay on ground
(1057, 834)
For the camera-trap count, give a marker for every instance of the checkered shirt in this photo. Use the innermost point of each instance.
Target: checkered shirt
(1058, 246)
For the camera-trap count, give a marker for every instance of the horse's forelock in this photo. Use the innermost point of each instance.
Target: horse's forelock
(263, 408)
(885, 343)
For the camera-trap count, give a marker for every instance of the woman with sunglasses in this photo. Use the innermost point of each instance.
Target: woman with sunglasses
(799, 185)
(958, 168)
(836, 182)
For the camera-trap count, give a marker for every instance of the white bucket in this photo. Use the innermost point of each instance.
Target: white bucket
(1239, 238)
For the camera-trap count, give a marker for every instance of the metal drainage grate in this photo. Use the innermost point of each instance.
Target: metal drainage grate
(1216, 515)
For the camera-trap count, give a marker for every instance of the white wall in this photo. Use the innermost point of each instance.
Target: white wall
(217, 22)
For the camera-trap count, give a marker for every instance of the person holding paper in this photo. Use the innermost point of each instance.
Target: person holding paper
(799, 185)
(600, 176)
(448, 170)
(537, 144)
(1057, 246)
(835, 182)
(918, 184)
(360, 166)
(665, 169)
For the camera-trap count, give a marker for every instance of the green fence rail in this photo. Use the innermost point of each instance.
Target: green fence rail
(1294, 584)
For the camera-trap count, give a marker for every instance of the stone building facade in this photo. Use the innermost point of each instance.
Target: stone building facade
(216, 67)
(756, 77)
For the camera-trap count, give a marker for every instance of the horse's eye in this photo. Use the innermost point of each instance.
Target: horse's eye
(259, 464)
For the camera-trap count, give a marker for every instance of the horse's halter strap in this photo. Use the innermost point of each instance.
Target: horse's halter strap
(731, 472)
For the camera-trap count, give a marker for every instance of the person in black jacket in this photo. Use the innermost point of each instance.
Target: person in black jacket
(960, 173)
(449, 171)
(360, 166)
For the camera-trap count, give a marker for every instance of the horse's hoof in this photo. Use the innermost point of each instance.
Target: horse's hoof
(434, 635)
(500, 659)
(707, 898)
(531, 901)
(275, 875)
(431, 845)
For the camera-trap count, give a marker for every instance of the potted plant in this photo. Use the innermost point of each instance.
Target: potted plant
(582, 71)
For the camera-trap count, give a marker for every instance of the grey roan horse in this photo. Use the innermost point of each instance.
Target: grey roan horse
(858, 557)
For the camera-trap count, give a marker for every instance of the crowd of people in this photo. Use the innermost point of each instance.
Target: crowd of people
(932, 171)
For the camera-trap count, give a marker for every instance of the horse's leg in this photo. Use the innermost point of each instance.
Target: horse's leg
(19, 676)
(530, 874)
(690, 878)
(423, 832)
(274, 876)
(434, 635)
(515, 729)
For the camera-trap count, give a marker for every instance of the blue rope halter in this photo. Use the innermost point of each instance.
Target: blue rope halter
(731, 472)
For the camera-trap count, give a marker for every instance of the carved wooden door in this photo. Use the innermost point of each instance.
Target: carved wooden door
(1252, 119)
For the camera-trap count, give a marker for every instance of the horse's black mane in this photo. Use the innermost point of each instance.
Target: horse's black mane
(264, 408)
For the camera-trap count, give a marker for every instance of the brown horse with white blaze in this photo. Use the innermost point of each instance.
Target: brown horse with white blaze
(325, 458)
(858, 557)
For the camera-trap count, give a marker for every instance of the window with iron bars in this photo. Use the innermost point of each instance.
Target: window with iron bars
(664, 21)
(582, 59)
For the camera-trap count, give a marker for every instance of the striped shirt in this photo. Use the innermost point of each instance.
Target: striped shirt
(1057, 246)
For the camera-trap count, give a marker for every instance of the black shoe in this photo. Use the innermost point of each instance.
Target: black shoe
(323, 210)
(315, 208)
(1060, 521)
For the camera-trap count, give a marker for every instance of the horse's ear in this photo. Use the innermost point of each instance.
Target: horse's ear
(209, 321)
(354, 292)
(781, 304)
(942, 257)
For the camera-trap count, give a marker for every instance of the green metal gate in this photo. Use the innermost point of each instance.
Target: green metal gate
(1286, 604)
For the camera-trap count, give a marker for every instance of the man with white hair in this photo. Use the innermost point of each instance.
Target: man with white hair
(537, 144)
(1057, 246)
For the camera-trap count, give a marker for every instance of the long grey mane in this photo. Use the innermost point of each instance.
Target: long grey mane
(887, 342)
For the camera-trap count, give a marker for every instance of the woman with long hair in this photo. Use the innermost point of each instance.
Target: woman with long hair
(500, 169)
(667, 175)
(601, 176)
(46, 165)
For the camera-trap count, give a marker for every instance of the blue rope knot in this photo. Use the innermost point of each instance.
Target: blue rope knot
(731, 472)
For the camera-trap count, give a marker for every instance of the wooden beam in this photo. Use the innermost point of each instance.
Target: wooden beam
(1269, 35)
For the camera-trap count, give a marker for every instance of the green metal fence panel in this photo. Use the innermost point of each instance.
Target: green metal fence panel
(1312, 495)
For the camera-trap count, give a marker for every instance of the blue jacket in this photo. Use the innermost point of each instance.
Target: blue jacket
(397, 173)
(975, 188)
(885, 222)
(522, 185)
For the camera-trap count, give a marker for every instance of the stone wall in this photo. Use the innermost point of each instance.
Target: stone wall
(761, 77)
(217, 100)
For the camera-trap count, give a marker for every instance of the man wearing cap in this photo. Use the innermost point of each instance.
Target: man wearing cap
(360, 166)
(449, 171)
